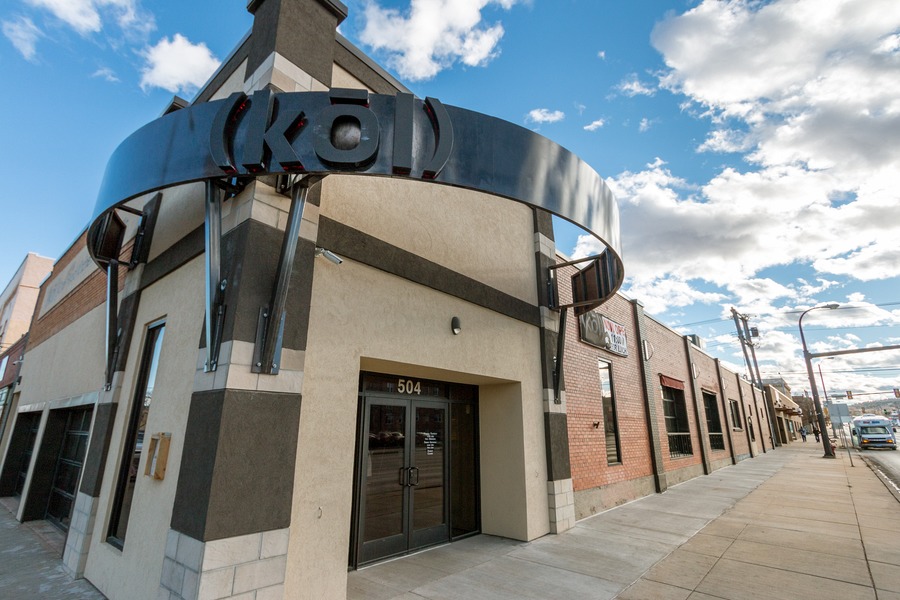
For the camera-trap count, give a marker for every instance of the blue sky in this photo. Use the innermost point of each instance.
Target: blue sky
(751, 145)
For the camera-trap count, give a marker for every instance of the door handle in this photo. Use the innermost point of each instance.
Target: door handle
(413, 471)
(403, 476)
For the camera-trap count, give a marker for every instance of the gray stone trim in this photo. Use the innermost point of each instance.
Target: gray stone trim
(371, 251)
(561, 500)
(302, 31)
(247, 566)
(556, 432)
(101, 432)
(128, 309)
(81, 529)
(562, 505)
(183, 251)
(222, 493)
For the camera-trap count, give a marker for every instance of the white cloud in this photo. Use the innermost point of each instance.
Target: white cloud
(601, 54)
(878, 260)
(725, 140)
(544, 115)
(107, 74)
(632, 86)
(23, 34)
(433, 35)
(84, 16)
(813, 108)
(645, 125)
(660, 295)
(177, 65)
(812, 94)
(595, 125)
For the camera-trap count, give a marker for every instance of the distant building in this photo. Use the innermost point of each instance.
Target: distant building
(789, 416)
(19, 297)
(17, 304)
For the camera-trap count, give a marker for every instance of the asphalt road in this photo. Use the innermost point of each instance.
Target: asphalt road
(887, 463)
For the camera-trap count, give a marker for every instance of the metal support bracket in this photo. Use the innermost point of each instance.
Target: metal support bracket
(598, 286)
(112, 320)
(138, 236)
(215, 285)
(560, 354)
(270, 326)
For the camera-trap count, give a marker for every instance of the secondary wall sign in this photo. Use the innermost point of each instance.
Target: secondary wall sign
(602, 332)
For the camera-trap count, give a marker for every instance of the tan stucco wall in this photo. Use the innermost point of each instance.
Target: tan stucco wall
(234, 83)
(135, 571)
(484, 237)
(69, 364)
(183, 211)
(341, 78)
(364, 319)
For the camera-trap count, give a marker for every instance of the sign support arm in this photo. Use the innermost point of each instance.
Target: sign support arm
(270, 327)
(215, 285)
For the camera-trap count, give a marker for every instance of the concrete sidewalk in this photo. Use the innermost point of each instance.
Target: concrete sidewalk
(30, 562)
(785, 525)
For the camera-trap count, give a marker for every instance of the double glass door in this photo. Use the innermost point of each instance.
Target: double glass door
(417, 475)
(404, 477)
(68, 467)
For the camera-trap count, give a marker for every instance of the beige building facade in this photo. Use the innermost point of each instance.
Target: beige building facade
(332, 336)
(411, 348)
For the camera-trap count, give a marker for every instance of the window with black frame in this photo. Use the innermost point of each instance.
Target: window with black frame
(134, 442)
(677, 427)
(736, 415)
(713, 421)
(610, 419)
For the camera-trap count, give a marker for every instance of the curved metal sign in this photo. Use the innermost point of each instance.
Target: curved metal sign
(351, 131)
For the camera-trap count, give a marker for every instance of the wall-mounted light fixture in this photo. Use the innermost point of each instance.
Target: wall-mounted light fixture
(331, 256)
(455, 325)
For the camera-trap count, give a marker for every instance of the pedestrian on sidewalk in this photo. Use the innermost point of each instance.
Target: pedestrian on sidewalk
(803, 433)
(816, 433)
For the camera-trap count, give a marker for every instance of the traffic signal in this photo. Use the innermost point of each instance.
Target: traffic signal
(849, 395)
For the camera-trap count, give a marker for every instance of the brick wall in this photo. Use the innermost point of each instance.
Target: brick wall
(587, 444)
(87, 295)
(667, 356)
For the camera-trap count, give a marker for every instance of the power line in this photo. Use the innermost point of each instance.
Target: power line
(868, 370)
(789, 312)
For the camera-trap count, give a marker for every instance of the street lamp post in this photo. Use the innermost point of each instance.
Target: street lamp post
(820, 415)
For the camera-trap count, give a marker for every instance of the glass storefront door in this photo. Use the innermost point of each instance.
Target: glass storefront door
(68, 467)
(408, 488)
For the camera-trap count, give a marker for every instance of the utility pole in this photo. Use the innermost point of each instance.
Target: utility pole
(744, 337)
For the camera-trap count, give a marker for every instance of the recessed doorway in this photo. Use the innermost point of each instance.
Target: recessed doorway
(417, 466)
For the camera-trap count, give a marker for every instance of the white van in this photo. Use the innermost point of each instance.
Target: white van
(873, 431)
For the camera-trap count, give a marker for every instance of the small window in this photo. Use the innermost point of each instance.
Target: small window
(134, 442)
(713, 422)
(610, 422)
(677, 427)
(735, 414)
